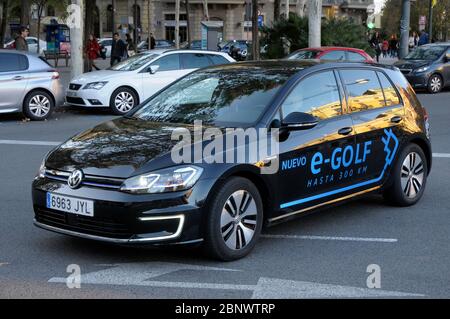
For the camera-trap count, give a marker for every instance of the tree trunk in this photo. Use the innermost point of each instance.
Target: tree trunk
(88, 29)
(205, 10)
(76, 36)
(186, 3)
(300, 8)
(286, 9)
(276, 10)
(24, 13)
(314, 17)
(255, 31)
(150, 22)
(3, 22)
(177, 24)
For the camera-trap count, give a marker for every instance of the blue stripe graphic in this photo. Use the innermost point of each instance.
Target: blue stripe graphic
(390, 155)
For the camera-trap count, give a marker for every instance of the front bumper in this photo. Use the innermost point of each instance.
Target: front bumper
(87, 98)
(418, 80)
(169, 218)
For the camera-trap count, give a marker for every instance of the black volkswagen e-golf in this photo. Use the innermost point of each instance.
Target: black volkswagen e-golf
(341, 129)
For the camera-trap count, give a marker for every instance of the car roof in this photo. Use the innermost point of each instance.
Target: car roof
(163, 51)
(332, 48)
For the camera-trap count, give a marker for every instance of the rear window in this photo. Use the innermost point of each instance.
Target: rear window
(390, 94)
(218, 59)
(363, 90)
(10, 62)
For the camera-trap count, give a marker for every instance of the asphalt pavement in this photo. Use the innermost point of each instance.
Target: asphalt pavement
(327, 254)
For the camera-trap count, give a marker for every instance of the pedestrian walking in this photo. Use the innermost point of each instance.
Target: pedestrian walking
(375, 42)
(385, 48)
(152, 43)
(393, 46)
(130, 45)
(118, 49)
(92, 52)
(423, 39)
(413, 41)
(21, 41)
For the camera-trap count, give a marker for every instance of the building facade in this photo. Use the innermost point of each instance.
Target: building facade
(138, 17)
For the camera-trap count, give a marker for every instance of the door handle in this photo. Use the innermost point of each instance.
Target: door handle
(345, 130)
(396, 119)
(18, 78)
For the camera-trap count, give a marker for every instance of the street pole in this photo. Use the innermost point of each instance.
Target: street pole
(177, 24)
(76, 39)
(255, 31)
(149, 12)
(113, 22)
(188, 24)
(135, 18)
(404, 28)
(430, 22)
(315, 21)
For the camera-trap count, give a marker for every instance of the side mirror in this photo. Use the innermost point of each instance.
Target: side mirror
(297, 121)
(153, 69)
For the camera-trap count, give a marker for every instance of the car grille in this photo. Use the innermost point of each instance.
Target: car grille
(406, 71)
(88, 180)
(75, 100)
(74, 87)
(89, 225)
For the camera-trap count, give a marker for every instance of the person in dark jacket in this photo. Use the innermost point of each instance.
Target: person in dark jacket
(118, 50)
(423, 39)
(152, 42)
(393, 46)
(21, 42)
(376, 43)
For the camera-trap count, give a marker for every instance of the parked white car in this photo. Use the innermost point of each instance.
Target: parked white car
(32, 45)
(106, 43)
(134, 80)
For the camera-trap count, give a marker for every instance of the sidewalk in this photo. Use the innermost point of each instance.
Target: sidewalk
(65, 71)
(388, 60)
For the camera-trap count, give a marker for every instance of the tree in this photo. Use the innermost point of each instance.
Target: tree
(300, 6)
(5, 8)
(315, 20)
(24, 12)
(276, 10)
(255, 30)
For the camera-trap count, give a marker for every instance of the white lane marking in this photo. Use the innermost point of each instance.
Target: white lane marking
(364, 239)
(441, 155)
(138, 274)
(3, 264)
(36, 143)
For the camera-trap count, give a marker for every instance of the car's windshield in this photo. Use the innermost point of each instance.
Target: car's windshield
(234, 97)
(303, 54)
(426, 53)
(133, 63)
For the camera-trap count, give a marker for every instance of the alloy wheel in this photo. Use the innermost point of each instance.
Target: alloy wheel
(124, 102)
(39, 105)
(238, 220)
(412, 175)
(435, 84)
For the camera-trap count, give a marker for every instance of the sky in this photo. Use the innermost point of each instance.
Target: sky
(378, 5)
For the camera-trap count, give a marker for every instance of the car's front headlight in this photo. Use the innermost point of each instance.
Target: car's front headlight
(94, 85)
(422, 69)
(41, 172)
(166, 180)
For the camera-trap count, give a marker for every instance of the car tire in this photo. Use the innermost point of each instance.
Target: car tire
(123, 100)
(230, 236)
(408, 177)
(435, 84)
(38, 105)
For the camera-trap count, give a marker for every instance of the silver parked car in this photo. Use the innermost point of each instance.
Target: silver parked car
(28, 84)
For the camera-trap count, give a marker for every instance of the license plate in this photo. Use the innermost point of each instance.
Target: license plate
(71, 94)
(70, 205)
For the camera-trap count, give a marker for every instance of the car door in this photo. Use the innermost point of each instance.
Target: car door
(311, 166)
(168, 71)
(13, 80)
(377, 115)
(446, 67)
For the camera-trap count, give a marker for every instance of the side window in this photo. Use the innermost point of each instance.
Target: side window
(194, 60)
(334, 55)
(218, 59)
(355, 57)
(318, 95)
(168, 63)
(13, 62)
(363, 90)
(390, 94)
(31, 41)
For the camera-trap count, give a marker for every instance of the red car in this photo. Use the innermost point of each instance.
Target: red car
(331, 54)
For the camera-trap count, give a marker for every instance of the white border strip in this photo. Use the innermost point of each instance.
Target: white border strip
(37, 143)
(441, 155)
(363, 239)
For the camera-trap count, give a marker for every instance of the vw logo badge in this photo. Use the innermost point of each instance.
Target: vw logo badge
(75, 179)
